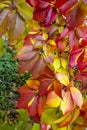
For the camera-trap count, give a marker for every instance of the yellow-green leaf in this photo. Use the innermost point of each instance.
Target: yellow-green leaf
(25, 10)
(2, 5)
(61, 119)
(36, 126)
(75, 115)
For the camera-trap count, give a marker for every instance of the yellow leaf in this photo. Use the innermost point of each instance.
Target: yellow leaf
(63, 62)
(52, 42)
(53, 100)
(56, 64)
(63, 78)
(63, 71)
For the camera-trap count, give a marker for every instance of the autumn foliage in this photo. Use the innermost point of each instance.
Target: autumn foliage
(51, 39)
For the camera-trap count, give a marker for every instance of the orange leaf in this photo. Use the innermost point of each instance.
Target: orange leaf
(41, 104)
(33, 84)
(66, 121)
(58, 88)
(24, 89)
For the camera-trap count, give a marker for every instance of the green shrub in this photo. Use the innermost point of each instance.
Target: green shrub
(10, 79)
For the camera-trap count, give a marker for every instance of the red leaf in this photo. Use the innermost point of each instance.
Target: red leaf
(69, 4)
(49, 73)
(60, 3)
(75, 17)
(24, 89)
(74, 55)
(82, 31)
(39, 68)
(33, 108)
(33, 3)
(40, 15)
(25, 98)
(83, 43)
(43, 89)
(83, 78)
(45, 15)
(41, 104)
(73, 40)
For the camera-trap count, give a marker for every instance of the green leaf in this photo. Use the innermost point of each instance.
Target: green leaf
(50, 115)
(1, 46)
(25, 10)
(36, 126)
(23, 115)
